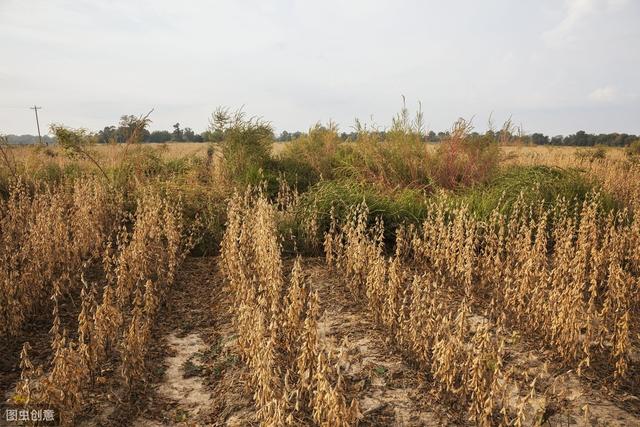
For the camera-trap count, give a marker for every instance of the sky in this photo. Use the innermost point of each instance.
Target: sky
(553, 66)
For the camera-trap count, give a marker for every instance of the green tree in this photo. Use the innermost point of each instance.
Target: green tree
(160, 136)
(539, 139)
(177, 133)
(132, 129)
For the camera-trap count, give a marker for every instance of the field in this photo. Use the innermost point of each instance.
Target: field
(376, 282)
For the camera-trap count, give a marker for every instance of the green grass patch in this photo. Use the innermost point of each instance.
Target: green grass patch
(535, 184)
(403, 206)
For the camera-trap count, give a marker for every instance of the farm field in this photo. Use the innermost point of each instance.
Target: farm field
(378, 282)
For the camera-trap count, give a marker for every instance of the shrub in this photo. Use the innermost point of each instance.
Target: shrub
(400, 160)
(397, 157)
(306, 160)
(465, 160)
(406, 206)
(592, 154)
(245, 147)
(77, 143)
(534, 184)
(633, 150)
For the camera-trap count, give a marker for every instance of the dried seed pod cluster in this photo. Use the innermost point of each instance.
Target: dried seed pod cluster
(295, 380)
(570, 279)
(117, 326)
(45, 236)
(429, 323)
(567, 278)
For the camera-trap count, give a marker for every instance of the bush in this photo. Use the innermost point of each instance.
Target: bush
(246, 146)
(534, 184)
(633, 150)
(306, 160)
(395, 158)
(203, 208)
(405, 206)
(465, 160)
(49, 172)
(592, 154)
(399, 160)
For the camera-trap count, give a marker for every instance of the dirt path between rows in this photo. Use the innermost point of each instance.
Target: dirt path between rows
(562, 398)
(179, 391)
(204, 383)
(389, 391)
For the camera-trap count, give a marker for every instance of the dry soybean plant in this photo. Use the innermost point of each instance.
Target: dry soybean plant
(564, 274)
(140, 267)
(45, 237)
(568, 276)
(430, 324)
(569, 279)
(295, 380)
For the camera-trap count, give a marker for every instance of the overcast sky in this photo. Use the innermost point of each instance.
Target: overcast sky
(554, 66)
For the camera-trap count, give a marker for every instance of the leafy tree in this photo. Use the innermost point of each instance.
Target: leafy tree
(191, 136)
(557, 140)
(159, 136)
(177, 133)
(132, 129)
(107, 135)
(539, 139)
(284, 136)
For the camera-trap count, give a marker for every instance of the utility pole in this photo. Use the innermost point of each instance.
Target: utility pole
(34, 108)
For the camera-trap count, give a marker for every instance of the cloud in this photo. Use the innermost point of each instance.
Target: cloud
(604, 94)
(295, 62)
(576, 17)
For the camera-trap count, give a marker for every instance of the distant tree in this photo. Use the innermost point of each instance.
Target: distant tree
(191, 136)
(132, 129)
(177, 133)
(626, 140)
(581, 139)
(188, 134)
(284, 136)
(28, 139)
(539, 139)
(159, 136)
(107, 135)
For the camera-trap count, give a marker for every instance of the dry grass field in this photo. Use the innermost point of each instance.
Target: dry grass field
(369, 283)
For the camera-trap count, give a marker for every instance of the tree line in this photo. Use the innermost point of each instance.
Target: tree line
(215, 134)
(579, 139)
(129, 123)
